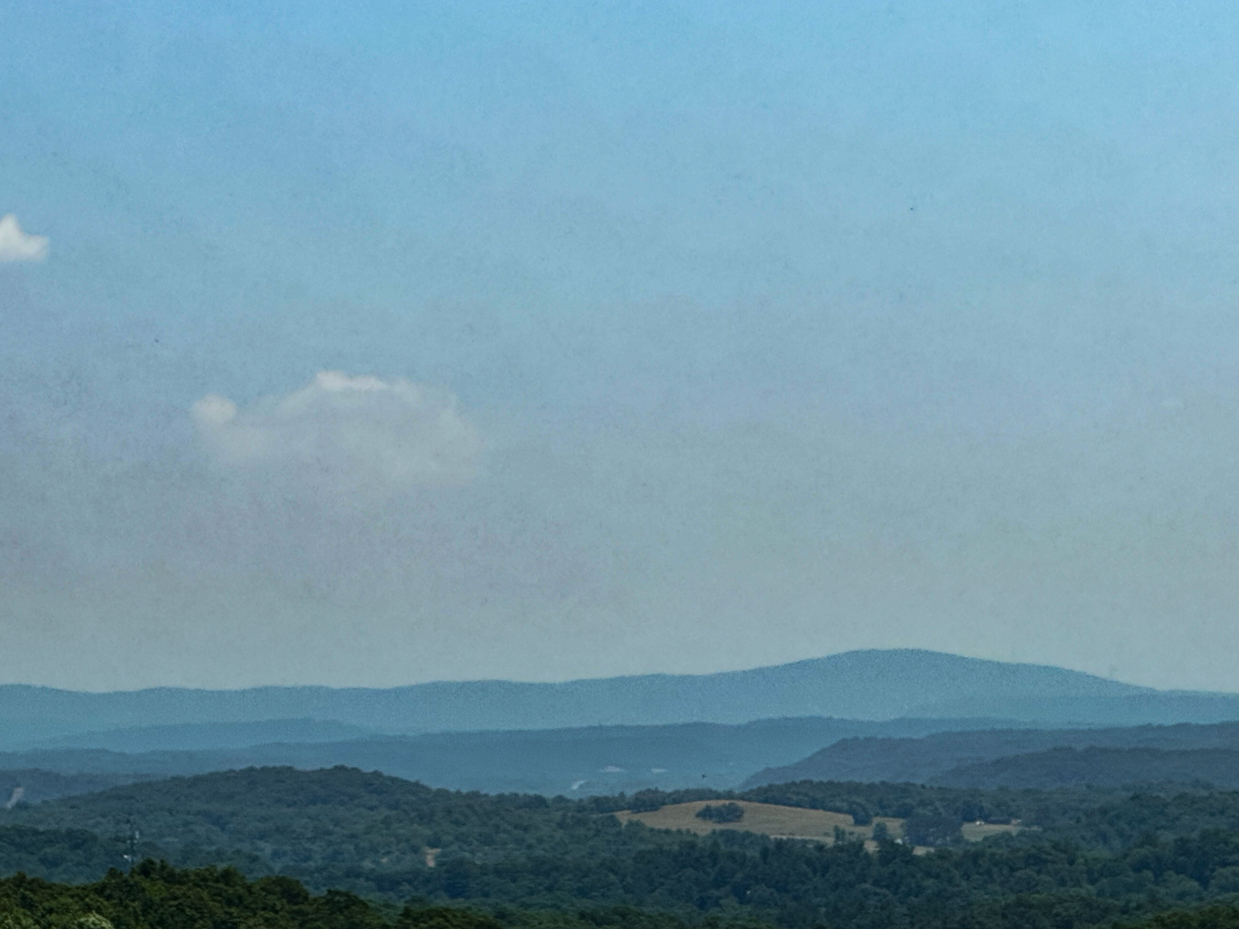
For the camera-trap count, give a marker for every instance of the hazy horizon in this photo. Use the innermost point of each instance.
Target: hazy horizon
(565, 680)
(365, 345)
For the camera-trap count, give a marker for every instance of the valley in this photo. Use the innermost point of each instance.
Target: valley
(744, 822)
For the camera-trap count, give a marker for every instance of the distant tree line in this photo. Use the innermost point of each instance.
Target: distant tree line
(1088, 859)
(156, 896)
(731, 812)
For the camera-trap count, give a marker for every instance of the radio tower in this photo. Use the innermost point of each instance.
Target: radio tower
(132, 855)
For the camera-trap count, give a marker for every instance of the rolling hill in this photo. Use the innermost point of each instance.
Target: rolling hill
(188, 737)
(971, 758)
(1100, 767)
(577, 762)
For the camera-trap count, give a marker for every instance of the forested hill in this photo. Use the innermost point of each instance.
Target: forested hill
(585, 761)
(1181, 753)
(154, 896)
(854, 685)
(1083, 859)
(1102, 767)
(347, 825)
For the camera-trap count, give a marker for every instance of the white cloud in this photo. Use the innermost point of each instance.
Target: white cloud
(16, 245)
(358, 431)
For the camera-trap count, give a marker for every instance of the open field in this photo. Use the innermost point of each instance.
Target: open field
(784, 822)
(975, 832)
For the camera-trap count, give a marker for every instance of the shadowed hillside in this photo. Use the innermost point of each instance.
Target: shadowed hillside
(955, 756)
(592, 760)
(1101, 767)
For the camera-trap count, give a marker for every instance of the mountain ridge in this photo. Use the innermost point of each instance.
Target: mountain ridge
(869, 685)
(952, 754)
(577, 762)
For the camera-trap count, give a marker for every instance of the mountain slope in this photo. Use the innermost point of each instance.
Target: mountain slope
(299, 820)
(570, 761)
(1100, 767)
(925, 759)
(854, 685)
(188, 737)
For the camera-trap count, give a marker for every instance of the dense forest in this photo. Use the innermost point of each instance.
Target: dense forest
(1041, 758)
(1082, 857)
(156, 896)
(891, 888)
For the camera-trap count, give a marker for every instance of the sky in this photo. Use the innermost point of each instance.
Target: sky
(377, 343)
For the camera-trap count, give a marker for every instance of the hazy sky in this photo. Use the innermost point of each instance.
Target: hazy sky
(374, 343)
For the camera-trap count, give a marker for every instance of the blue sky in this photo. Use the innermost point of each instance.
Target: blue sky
(664, 336)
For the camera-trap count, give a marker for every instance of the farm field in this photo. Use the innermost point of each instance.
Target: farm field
(785, 822)
(975, 832)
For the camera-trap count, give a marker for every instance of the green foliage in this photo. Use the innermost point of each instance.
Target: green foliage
(931, 831)
(59, 854)
(1124, 820)
(535, 863)
(444, 917)
(156, 896)
(696, 884)
(319, 825)
(723, 813)
(1100, 765)
(1211, 917)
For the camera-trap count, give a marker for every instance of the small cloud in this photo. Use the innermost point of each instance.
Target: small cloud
(16, 245)
(364, 431)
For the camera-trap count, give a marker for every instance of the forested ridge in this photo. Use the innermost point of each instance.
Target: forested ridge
(156, 896)
(1027, 757)
(1083, 857)
(1040, 888)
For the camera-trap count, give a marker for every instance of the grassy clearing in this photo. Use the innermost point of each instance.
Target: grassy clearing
(975, 832)
(782, 822)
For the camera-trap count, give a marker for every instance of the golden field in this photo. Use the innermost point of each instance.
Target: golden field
(783, 822)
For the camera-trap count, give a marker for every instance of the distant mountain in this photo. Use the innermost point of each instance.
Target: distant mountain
(927, 759)
(29, 785)
(575, 762)
(200, 736)
(867, 685)
(1100, 767)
